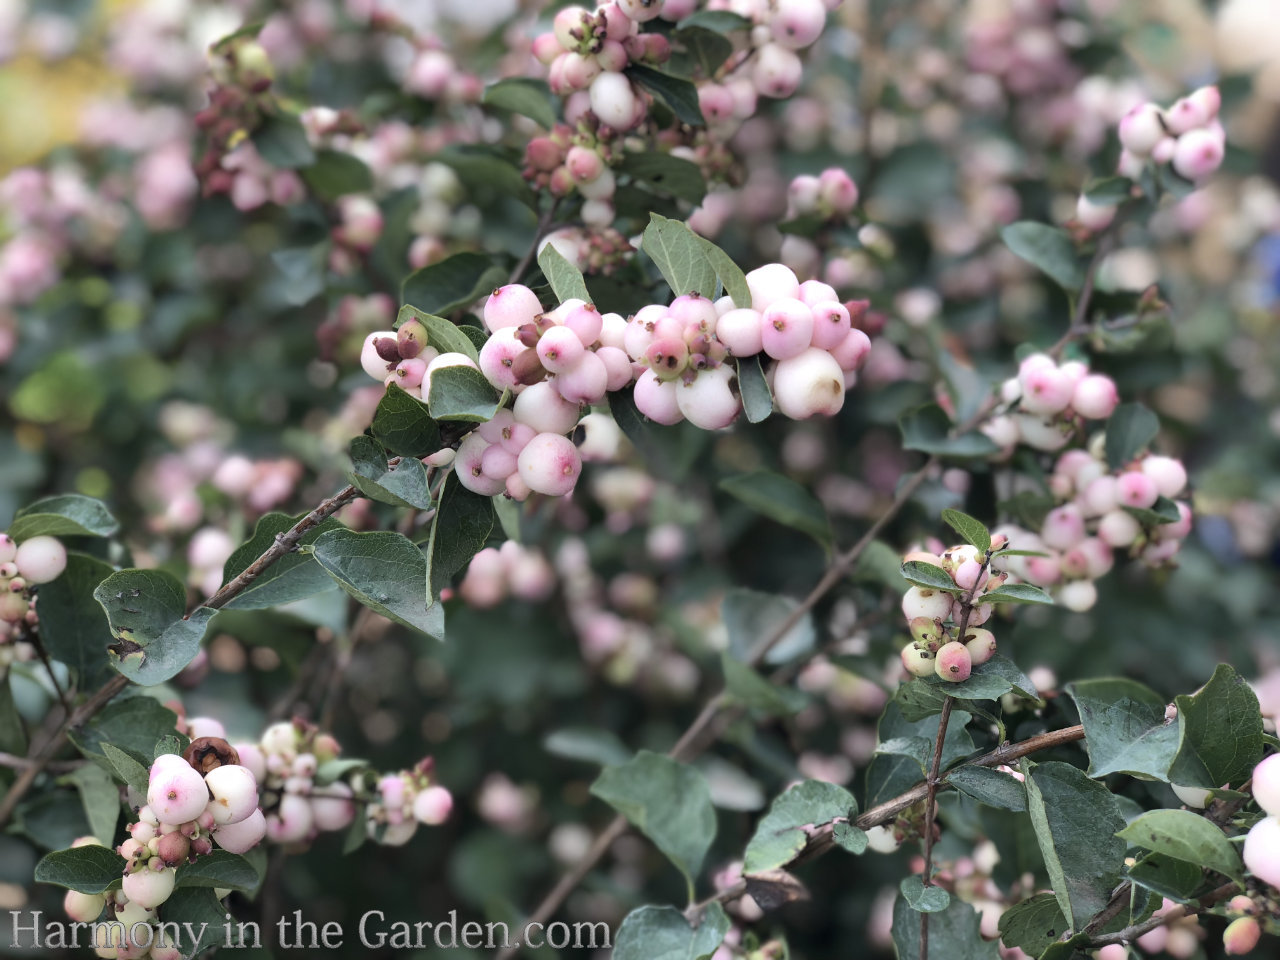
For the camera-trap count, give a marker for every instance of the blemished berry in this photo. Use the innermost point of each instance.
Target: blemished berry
(550, 464)
(708, 401)
(243, 836)
(921, 602)
(172, 849)
(918, 660)
(150, 888)
(234, 792)
(1266, 784)
(411, 338)
(953, 662)
(667, 357)
(371, 360)
(981, 644)
(882, 839)
(176, 792)
(808, 384)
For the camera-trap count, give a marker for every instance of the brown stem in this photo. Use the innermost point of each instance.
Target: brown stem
(1177, 913)
(13, 762)
(540, 231)
(1080, 314)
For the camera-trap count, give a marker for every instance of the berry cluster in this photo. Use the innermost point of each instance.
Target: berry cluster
(1100, 511)
(23, 566)
(496, 573)
(831, 195)
(936, 616)
(403, 801)
(1046, 403)
(1188, 135)
(567, 159)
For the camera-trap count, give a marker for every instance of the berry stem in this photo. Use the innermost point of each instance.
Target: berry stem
(1177, 913)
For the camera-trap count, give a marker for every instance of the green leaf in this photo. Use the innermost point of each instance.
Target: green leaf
(462, 393)
(698, 51)
(282, 141)
(444, 335)
(131, 725)
(219, 869)
(783, 500)
(1130, 428)
(1161, 512)
(1124, 728)
(525, 96)
(385, 572)
(928, 428)
(929, 576)
(1108, 191)
(1016, 593)
(667, 801)
(154, 640)
(73, 626)
(172, 744)
(722, 21)
(991, 787)
(890, 775)
(754, 691)
(1184, 835)
(336, 174)
(332, 771)
(953, 933)
(805, 225)
(90, 869)
(923, 899)
(1046, 248)
(404, 426)
(132, 772)
(780, 835)
(670, 451)
(1175, 879)
(294, 576)
(1076, 820)
(757, 398)
(66, 515)
(485, 168)
(729, 274)
(100, 797)
(849, 837)
(750, 617)
(680, 95)
(451, 284)
(668, 174)
(200, 917)
(662, 933)
(968, 527)
(588, 744)
(304, 270)
(565, 278)
(462, 525)
(680, 255)
(1033, 925)
(404, 485)
(1219, 732)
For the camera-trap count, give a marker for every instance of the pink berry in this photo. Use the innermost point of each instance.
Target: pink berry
(798, 23)
(291, 822)
(512, 305)
(739, 331)
(852, 351)
(1141, 129)
(8, 548)
(235, 793)
(550, 464)
(40, 559)
(468, 466)
(981, 644)
(587, 382)
(497, 463)
(786, 328)
(1094, 216)
(583, 164)
(1118, 529)
(613, 100)
(656, 399)
(1266, 784)
(692, 310)
(176, 792)
(809, 384)
(560, 349)
(1186, 114)
(771, 283)
(332, 809)
(838, 191)
(667, 357)
(149, 888)
(1198, 153)
(432, 806)
(1045, 389)
(618, 367)
(814, 292)
(970, 574)
(831, 324)
(716, 103)
(243, 836)
(777, 71)
(1168, 474)
(1262, 850)
(1135, 489)
(586, 323)
(498, 357)
(953, 662)
(1063, 527)
(541, 407)
(1095, 397)
(1241, 936)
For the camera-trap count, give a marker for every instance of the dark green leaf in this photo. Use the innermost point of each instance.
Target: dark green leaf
(668, 174)
(451, 284)
(89, 869)
(404, 426)
(1124, 727)
(219, 869)
(780, 835)
(484, 168)
(200, 917)
(153, 638)
(665, 800)
(752, 690)
(1161, 512)
(663, 933)
(923, 899)
(66, 515)
(751, 617)
(699, 52)
(671, 451)
(968, 527)
(991, 787)
(928, 576)
(680, 95)
(757, 399)
(783, 500)
(1076, 820)
(13, 736)
(890, 775)
(402, 485)
(1175, 879)
(462, 525)
(565, 278)
(1033, 925)
(462, 393)
(336, 174)
(927, 429)
(722, 21)
(282, 141)
(131, 771)
(133, 726)
(1183, 835)
(293, 577)
(385, 572)
(172, 744)
(680, 255)
(1130, 428)
(588, 744)
(953, 933)
(73, 626)
(850, 838)
(1109, 191)
(100, 797)
(525, 96)
(1047, 248)
(1219, 732)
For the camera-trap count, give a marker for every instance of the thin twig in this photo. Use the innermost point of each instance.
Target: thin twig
(1176, 913)
(13, 762)
(540, 231)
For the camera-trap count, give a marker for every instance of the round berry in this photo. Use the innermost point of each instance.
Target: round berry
(1266, 784)
(1095, 397)
(1078, 595)
(918, 660)
(708, 400)
(1241, 936)
(613, 100)
(831, 324)
(235, 793)
(468, 465)
(586, 382)
(953, 662)
(1262, 850)
(432, 806)
(739, 331)
(149, 888)
(1168, 474)
(541, 407)
(807, 384)
(374, 364)
(559, 349)
(771, 283)
(176, 792)
(332, 808)
(512, 305)
(981, 644)
(550, 464)
(40, 559)
(656, 399)
(243, 836)
(786, 328)
(922, 602)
